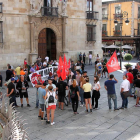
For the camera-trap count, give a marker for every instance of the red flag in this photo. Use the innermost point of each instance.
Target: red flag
(63, 74)
(113, 65)
(60, 67)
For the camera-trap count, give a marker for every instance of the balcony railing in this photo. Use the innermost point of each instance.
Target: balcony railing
(104, 16)
(92, 15)
(104, 33)
(138, 15)
(117, 33)
(50, 11)
(91, 36)
(118, 16)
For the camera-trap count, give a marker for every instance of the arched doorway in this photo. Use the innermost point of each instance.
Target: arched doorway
(47, 44)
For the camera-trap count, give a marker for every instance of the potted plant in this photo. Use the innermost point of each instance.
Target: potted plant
(128, 57)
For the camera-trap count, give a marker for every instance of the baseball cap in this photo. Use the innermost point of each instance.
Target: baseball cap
(12, 79)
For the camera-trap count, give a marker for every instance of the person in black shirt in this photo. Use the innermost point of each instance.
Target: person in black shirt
(84, 58)
(74, 93)
(22, 86)
(135, 72)
(55, 80)
(137, 88)
(11, 92)
(82, 66)
(9, 73)
(61, 87)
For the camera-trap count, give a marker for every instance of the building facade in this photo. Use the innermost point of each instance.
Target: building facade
(121, 33)
(32, 28)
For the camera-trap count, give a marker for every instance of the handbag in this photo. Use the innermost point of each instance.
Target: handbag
(126, 94)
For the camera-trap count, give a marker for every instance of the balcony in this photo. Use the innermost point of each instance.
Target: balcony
(117, 33)
(116, 16)
(91, 36)
(104, 33)
(50, 11)
(92, 15)
(105, 16)
(138, 15)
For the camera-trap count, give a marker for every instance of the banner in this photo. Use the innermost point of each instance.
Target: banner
(113, 65)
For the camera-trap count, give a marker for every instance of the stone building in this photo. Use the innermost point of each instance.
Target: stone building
(32, 28)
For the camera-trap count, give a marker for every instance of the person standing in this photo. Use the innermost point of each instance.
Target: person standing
(9, 73)
(82, 66)
(51, 104)
(47, 59)
(11, 92)
(32, 70)
(74, 94)
(41, 97)
(96, 92)
(84, 58)
(22, 86)
(0, 86)
(110, 87)
(99, 68)
(61, 87)
(125, 86)
(17, 70)
(135, 72)
(81, 91)
(80, 57)
(137, 90)
(87, 94)
(90, 59)
(39, 84)
(130, 78)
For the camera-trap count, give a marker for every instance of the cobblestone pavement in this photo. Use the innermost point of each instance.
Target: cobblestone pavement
(102, 124)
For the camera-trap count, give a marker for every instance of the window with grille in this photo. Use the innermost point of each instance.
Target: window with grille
(0, 7)
(91, 33)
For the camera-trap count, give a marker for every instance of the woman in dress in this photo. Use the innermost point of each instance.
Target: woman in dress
(51, 106)
(96, 92)
(87, 94)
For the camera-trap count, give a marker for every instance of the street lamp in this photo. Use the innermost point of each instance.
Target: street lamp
(121, 17)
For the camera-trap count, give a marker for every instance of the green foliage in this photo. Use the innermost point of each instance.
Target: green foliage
(105, 60)
(128, 65)
(128, 57)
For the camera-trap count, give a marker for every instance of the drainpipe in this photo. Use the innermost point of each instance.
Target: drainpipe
(110, 19)
(62, 34)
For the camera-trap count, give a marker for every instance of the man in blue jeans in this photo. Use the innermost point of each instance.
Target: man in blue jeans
(125, 86)
(110, 87)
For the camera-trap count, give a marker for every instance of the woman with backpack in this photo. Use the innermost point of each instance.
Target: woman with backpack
(87, 87)
(96, 92)
(50, 104)
(74, 94)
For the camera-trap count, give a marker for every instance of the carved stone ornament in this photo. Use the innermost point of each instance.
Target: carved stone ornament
(64, 7)
(35, 11)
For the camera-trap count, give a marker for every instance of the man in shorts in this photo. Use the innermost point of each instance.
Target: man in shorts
(61, 87)
(41, 97)
(22, 86)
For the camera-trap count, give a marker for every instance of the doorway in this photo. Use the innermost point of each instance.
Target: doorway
(47, 44)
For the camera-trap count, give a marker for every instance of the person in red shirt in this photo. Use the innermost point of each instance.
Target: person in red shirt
(130, 78)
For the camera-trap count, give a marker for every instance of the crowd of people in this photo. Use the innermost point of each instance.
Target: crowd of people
(52, 92)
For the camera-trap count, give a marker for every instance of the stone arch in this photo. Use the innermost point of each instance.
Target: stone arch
(57, 33)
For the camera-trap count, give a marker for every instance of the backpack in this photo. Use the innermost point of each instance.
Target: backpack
(72, 93)
(51, 98)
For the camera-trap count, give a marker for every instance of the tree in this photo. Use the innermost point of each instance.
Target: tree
(128, 57)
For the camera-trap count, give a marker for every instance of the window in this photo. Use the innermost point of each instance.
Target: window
(91, 33)
(48, 3)
(138, 28)
(0, 7)
(117, 30)
(89, 5)
(138, 12)
(104, 28)
(1, 32)
(104, 13)
(117, 9)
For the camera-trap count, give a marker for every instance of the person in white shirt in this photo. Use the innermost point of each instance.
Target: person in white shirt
(125, 86)
(97, 57)
(90, 59)
(96, 92)
(47, 59)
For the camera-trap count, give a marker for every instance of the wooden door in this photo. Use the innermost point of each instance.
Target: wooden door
(53, 46)
(42, 44)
